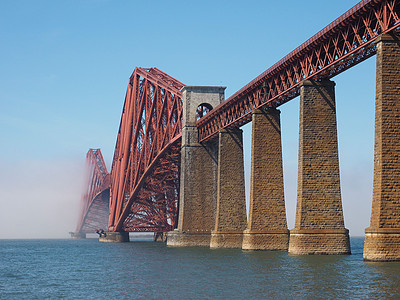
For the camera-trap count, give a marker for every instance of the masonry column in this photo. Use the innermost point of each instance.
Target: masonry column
(114, 237)
(382, 238)
(198, 182)
(319, 226)
(231, 202)
(267, 226)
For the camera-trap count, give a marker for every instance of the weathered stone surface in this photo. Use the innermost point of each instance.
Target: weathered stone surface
(253, 240)
(319, 204)
(231, 202)
(160, 237)
(267, 226)
(226, 239)
(325, 242)
(198, 188)
(177, 238)
(198, 182)
(382, 246)
(114, 237)
(382, 238)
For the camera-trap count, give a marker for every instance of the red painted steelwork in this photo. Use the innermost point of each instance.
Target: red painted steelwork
(145, 169)
(344, 43)
(95, 200)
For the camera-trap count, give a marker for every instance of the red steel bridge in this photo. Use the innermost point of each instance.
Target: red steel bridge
(145, 170)
(95, 199)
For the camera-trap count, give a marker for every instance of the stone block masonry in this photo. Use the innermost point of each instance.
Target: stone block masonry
(231, 203)
(382, 238)
(319, 226)
(267, 226)
(114, 237)
(198, 181)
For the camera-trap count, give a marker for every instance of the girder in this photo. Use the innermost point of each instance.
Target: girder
(145, 169)
(95, 199)
(344, 43)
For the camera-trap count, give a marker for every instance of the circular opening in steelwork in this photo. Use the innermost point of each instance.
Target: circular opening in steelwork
(202, 110)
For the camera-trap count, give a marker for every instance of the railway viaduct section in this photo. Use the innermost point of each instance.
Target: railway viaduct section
(178, 164)
(368, 28)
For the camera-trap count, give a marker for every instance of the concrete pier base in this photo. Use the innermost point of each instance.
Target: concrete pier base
(382, 245)
(114, 237)
(78, 235)
(305, 242)
(253, 240)
(177, 238)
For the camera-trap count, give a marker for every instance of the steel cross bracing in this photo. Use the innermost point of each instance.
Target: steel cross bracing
(95, 200)
(145, 169)
(344, 43)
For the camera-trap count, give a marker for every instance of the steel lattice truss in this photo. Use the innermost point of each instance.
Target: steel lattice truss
(95, 200)
(145, 169)
(344, 43)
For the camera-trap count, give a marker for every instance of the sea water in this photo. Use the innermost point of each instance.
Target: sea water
(87, 269)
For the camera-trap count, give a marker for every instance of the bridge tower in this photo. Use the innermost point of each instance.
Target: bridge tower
(199, 163)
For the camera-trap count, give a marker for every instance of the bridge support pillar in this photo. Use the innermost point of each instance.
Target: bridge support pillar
(267, 226)
(160, 237)
(198, 188)
(78, 235)
(319, 226)
(114, 237)
(382, 238)
(231, 202)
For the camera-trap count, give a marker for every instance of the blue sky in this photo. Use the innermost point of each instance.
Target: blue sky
(65, 66)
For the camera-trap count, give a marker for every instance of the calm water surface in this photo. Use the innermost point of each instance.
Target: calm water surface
(87, 269)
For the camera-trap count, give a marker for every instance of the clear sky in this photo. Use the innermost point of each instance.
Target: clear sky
(65, 66)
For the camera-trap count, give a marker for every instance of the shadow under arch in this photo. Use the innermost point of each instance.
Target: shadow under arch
(202, 110)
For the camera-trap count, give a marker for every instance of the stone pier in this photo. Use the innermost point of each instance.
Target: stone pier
(319, 226)
(160, 237)
(78, 235)
(114, 237)
(267, 226)
(382, 238)
(231, 202)
(198, 182)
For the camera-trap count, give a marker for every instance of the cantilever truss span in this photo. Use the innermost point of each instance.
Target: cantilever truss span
(341, 45)
(95, 199)
(145, 169)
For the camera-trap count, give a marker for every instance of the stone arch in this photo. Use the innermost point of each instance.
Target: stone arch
(194, 96)
(202, 110)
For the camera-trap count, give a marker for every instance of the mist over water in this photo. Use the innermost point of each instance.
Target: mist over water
(39, 198)
(42, 199)
(87, 269)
